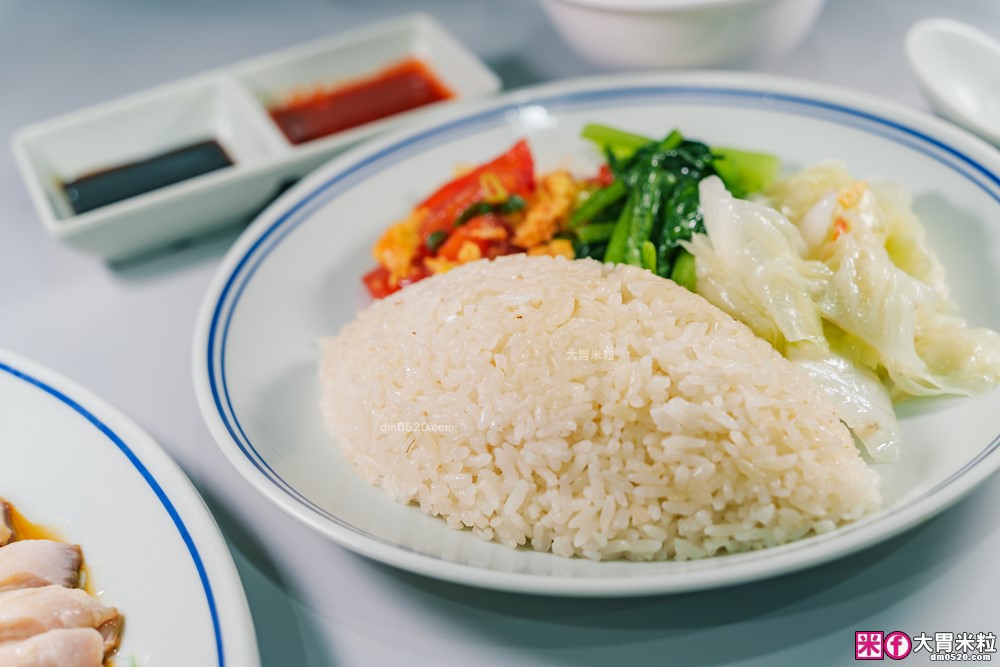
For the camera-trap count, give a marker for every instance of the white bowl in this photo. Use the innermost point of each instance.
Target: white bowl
(682, 33)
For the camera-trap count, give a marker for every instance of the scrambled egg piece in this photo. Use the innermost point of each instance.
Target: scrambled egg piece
(439, 264)
(469, 252)
(546, 214)
(397, 247)
(548, 210)
(486, 234)
(554, 248)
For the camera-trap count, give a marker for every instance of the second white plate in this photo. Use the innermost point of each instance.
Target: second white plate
(80, 468)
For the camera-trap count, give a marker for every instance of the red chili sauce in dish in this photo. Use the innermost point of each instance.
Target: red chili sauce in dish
(322, 111)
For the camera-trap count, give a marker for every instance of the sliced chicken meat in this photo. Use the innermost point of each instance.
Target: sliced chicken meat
(6, 527)
(27, 612)
(74, 647)
(34, 563)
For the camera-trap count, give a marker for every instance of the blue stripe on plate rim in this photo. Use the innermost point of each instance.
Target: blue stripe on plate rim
(369, 165)
(150, 480)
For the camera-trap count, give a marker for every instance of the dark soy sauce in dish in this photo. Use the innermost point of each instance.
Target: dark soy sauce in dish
(114, 184)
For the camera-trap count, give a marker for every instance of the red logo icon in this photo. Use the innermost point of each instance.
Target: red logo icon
(897, 645)
(868, 645)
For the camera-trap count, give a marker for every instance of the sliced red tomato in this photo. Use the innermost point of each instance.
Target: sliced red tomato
(486, 231)
(499, 248)
(515, 171)
(418, 272)
(378, 283)
(604, 177)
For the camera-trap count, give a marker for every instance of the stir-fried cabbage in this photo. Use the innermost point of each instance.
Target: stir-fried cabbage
(795, 195)
(837, 275)
(876, 302)
(862, 401)
(960, 360)
(750, 265)
(774, 288)
(888, 288)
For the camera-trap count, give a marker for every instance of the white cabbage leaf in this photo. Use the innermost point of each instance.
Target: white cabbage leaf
(959, 359)
(888, 290)
(838, 276)
(906, 240)
(750, 265)
(875, 301)
(795, 195)
(856, 391)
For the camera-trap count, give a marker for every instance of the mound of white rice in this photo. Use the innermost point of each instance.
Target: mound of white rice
(590, 410)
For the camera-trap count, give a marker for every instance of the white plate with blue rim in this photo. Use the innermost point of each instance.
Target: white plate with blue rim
(294, 276)
(88, 475)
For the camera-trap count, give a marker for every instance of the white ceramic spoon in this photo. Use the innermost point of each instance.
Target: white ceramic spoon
(958, 69)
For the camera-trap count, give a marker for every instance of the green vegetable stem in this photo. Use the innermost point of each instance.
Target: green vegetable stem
(649, 256)
(619, 236)
(595, 233)
(596, 203)
(621, 143)
(644, 216)
(684, 270)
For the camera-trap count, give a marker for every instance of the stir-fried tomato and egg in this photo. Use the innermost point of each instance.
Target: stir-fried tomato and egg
(498, 208)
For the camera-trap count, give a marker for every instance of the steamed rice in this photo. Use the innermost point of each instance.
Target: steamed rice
(590, 410)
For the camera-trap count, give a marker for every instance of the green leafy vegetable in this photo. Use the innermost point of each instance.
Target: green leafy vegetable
(596, 203)
(745, 173)
(594, 250)
(621, 144)
(654, 198)
(619, 236)
(479, 208)
(595, 233)
(662, 206)
(643, 216)
(683, 272)
(681, 215)
(512, 204)
(649, 256)
(435, 240)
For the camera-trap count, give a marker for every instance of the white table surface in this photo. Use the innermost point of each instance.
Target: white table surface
(126, 333)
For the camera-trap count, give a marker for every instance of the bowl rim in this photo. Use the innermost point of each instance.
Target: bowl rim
(651, 6)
